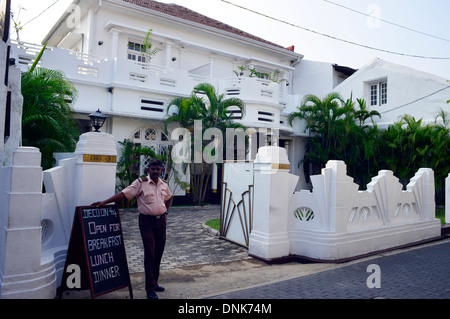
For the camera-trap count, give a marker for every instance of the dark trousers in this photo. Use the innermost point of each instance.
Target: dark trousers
(153, 233)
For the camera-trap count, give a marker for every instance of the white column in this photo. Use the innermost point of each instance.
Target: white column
(96, 167)
(114, 42)
(250, 134)
(181, 61)
(273, 186)
(168, 56)
(211, 69)
(286, 146)
(214, 178)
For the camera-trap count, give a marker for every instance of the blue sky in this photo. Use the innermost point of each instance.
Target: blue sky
(422, 28)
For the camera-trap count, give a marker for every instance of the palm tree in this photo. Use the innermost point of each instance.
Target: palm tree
(337, 131)
(324, 118)
(359, 144)
(213, 113)
(47, 121)
(363, 114)
(406, 147)
(185, 113)
(216, 114)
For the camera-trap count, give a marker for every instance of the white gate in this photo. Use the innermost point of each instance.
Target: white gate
(236, 213)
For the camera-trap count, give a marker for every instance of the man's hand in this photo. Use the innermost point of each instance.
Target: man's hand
(119, 196)
(97, 204)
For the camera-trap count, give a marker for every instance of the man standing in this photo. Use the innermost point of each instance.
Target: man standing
(153, 199)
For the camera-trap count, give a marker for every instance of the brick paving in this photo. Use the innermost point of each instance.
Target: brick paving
(421, 273)
(187, 243)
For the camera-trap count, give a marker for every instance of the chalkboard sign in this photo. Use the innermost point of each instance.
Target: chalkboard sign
(96, 246)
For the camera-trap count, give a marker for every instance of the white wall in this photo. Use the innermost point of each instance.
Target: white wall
(334, 221)
(313, 77)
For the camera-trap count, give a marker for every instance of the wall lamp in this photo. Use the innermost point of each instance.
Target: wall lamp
(97, 120)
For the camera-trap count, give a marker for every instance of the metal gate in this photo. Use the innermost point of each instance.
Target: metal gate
(236, 211)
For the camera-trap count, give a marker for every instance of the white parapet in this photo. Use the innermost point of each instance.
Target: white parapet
(336, 221)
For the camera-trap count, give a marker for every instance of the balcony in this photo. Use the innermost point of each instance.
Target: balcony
(255, 90)
(94, 71)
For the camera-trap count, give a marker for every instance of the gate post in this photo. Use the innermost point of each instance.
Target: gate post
(96, 167)
(273, 187)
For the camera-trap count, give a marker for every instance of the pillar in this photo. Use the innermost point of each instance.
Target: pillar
(114, 42)
(273, 186)
(96, 168)
(214, 178)
(181, 58)
(168, 56)
(23, 272)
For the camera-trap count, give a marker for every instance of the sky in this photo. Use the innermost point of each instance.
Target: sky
(414, 33)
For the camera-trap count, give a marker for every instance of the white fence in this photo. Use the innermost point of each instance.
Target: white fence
(383, 204)
(337, 221)
(333, 221)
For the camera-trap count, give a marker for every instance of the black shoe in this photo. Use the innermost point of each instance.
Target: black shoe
(158, 288)
(152, 295)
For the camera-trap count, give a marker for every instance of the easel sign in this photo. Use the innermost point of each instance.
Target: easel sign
(96, 246)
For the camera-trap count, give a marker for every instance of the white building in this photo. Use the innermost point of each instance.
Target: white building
(97, 45)
(395, 90)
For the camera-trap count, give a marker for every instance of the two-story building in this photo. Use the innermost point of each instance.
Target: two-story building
(98, 44)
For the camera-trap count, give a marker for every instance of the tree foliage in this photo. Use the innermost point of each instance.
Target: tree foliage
(408, 145)
(338, 131)
(345, 130)
(47, 119)
(212, 109)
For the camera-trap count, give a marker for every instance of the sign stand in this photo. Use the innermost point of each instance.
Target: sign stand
(96, 249)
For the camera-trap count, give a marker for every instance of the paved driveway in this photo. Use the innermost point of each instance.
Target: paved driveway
(188, 244)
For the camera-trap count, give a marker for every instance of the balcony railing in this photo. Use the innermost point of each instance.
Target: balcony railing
(129, 74)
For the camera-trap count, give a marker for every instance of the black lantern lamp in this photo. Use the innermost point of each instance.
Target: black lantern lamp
(97, 120)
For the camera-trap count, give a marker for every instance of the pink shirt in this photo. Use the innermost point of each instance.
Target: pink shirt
(150, 196)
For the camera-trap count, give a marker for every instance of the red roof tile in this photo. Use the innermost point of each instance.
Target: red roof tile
(187, 14)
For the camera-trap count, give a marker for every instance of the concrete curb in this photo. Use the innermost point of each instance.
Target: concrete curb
(210, 230)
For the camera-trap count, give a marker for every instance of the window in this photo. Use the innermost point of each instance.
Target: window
(374, 94)
(153, 138)
(383, 88)
(378, 93)
(135, 50)
(150, 134)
